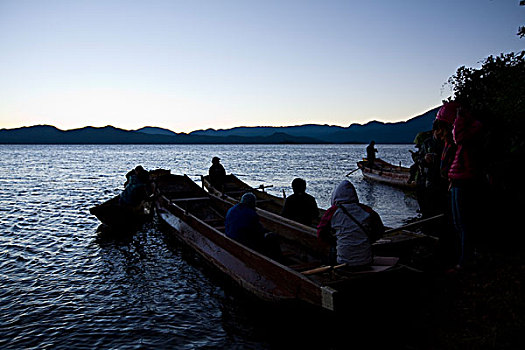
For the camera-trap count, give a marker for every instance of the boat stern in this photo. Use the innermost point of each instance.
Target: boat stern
(327, 298)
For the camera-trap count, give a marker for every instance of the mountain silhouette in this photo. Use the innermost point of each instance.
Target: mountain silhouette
(401, 132)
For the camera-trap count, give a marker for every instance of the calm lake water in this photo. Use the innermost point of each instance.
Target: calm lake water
(62, 288)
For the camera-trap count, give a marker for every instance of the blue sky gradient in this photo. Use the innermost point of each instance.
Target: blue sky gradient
(187, 65)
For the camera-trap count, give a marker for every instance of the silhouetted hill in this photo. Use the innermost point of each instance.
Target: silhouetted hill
(50, 134)
(402, 132)
(156, 131)
(45, 134)
(307, 130)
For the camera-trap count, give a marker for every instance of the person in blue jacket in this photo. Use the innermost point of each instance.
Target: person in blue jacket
(243, 225)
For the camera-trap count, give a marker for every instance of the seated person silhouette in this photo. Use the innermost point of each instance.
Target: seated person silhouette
(242, 224)
(217, 174)
(300, 206)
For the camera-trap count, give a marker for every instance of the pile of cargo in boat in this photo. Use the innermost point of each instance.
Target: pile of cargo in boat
(119, 219)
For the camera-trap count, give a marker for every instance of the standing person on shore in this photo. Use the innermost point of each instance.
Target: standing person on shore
(431, 188)
(442, 130)
(300, 206)
(418, 171)
(461, 163)
(465, 180)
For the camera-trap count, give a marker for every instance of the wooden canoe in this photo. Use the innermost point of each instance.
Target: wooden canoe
(196, 217)
(269, 209)
(387, 173)
(118, 218)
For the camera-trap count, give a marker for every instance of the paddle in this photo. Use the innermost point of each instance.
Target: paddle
(415, 223)
(321, 269)
(353, 171)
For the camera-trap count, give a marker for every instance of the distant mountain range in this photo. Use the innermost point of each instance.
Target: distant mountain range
(401, 132)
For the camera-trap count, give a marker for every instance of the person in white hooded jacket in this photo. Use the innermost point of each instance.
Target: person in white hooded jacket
(352, 225)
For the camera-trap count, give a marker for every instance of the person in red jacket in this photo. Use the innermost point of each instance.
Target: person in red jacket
(461, 164)
(465, 179)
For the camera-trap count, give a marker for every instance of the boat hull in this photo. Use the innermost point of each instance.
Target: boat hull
(120, 218)
(116, 218)
(387, 173)
(195, 219)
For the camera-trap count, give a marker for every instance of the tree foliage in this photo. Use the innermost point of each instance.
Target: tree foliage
(495, 93)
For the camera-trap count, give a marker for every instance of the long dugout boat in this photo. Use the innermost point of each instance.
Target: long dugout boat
(196, 218)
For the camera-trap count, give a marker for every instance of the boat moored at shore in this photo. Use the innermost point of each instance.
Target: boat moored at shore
(196, 218)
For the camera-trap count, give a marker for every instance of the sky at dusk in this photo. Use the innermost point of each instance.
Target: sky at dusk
(188, 65)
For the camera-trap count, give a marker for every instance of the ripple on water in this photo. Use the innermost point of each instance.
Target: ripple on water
(62, 287)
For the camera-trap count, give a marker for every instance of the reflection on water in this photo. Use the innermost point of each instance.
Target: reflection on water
(61, 286)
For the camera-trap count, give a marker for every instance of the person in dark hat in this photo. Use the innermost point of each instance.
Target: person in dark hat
(217, 174)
